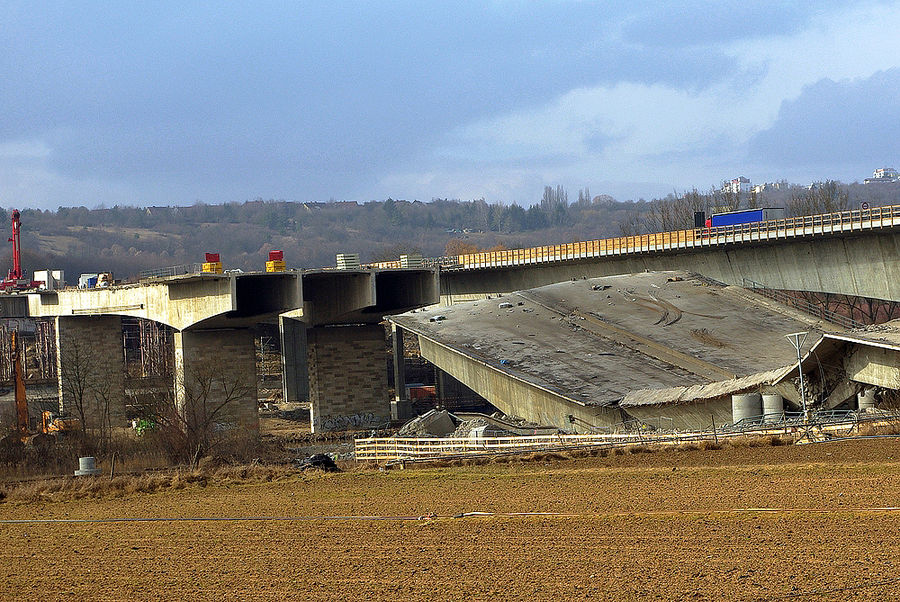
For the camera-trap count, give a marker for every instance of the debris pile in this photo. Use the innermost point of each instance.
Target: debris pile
(434, 423)
(466, 427)
(322, 462)
(441, 423)
(515, 420)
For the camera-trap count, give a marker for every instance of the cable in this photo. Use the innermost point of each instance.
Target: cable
(432, 516)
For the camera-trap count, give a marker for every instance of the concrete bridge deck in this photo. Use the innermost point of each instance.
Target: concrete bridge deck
(855, 253)
(332, 343)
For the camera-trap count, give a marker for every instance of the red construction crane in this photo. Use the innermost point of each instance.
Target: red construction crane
(16, 272)
(14, 280)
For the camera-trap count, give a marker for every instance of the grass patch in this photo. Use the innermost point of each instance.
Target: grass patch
(75, 488)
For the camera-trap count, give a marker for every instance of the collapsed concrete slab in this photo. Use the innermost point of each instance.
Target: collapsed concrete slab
(595, 353)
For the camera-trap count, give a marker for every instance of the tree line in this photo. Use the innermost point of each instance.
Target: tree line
(126, 240)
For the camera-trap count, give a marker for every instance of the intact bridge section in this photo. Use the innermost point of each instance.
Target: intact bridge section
(333, 346)
(855, 253)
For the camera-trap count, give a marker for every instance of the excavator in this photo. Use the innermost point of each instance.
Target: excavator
(50, 423)
(12, 446)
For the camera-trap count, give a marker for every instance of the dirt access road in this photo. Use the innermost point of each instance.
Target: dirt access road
(768, 523)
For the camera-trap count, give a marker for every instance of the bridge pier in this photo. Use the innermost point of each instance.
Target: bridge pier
(90, 360)
(215, 378)
(347, 377)
(401, 407)
(294, 365)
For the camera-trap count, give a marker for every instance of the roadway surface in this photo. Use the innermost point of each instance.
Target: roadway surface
(595, 340)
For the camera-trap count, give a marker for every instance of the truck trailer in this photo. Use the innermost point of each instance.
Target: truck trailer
(746, 216)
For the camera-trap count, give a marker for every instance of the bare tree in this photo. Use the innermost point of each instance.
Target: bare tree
(85, 385)
(197, 417)
(823, 197)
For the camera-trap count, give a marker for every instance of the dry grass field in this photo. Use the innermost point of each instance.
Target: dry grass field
(747, 523)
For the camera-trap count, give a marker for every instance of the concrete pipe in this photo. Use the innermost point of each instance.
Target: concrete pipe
(773, 407)
(747, 405)
(87, 466)
(866, 399)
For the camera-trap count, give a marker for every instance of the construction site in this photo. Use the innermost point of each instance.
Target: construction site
(360, 348)
(426, 431)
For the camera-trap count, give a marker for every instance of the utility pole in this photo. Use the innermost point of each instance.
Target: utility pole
(797, 339)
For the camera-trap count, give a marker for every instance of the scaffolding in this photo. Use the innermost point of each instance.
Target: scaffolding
(38, 346)
(149, 348)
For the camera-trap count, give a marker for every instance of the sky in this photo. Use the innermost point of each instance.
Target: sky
(174, 103)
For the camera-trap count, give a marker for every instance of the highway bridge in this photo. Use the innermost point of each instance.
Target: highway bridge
(332, 341)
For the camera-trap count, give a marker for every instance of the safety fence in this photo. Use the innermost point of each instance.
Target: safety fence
(801, 304)
(787, 228)
(174, 270)
(821, 425)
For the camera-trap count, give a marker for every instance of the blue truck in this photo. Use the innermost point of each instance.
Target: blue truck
(745, 216)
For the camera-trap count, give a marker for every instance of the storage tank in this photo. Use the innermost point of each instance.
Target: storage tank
(746, 405)
(866, 399)
(773, 407)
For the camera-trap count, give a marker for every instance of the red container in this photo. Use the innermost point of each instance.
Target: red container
(212, 258)
(276, 255)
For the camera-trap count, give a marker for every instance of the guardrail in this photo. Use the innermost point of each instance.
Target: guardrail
(174, 270)
(792, 227)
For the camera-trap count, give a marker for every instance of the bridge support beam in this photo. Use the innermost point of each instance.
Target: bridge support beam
(347, 377)
(401, 407)
(215, 378)
(294, 369)
(90, 360)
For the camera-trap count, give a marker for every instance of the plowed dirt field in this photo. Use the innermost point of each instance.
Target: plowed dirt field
(812, 522)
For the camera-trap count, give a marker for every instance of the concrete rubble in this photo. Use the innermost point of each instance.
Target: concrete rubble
(434, 423)
(441, 423)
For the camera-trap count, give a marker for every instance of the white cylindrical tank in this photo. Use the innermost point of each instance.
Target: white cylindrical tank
(773, 407)
(746, 405)
(866, 399)
(87, 466)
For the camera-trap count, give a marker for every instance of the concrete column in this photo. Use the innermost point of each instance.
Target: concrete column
(401, 408)
(440, 386)
(347, 377)
(224, 361)
(295, 375)
(90, 360)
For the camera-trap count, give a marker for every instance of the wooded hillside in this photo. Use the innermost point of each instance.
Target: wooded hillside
(126, 240)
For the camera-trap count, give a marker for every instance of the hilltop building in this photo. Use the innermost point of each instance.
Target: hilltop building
(737, 185)
(883, 174)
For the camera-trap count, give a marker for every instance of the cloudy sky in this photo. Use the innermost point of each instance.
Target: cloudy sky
(175, 103)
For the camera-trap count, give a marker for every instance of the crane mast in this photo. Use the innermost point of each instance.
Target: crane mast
(16, 272)
(15, 280)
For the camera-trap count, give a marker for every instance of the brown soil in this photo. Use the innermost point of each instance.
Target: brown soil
(766, 523)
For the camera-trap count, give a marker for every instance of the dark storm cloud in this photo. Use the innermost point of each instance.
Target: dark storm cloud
(836, 122)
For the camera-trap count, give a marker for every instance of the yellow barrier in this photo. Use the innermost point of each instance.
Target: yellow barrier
(826, 223)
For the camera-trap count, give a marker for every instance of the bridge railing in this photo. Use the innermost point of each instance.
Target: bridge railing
(173, 270)
(792, 227)
(802, 305)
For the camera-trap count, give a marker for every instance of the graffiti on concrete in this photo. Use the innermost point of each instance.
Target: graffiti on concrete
(352, 421)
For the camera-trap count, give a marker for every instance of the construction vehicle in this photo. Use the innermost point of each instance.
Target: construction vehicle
(51, 423)
(15, 280)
